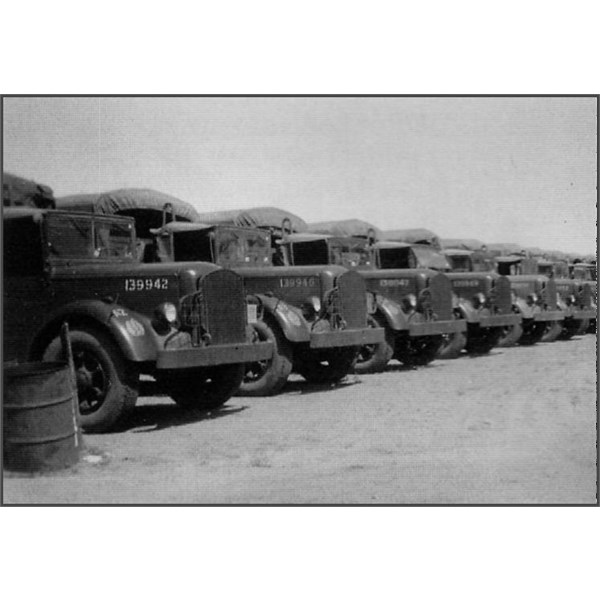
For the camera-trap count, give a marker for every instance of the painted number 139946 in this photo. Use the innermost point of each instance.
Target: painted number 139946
(142, 285)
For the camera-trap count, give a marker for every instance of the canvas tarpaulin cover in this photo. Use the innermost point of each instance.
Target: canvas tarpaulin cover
(144, 205)
(128, 199)
(461, 244)
(413, 236)
(261, 216)
(17, 191)
(346, 228)
(505, 249)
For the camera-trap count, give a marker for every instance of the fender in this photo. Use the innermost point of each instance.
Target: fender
(525, 309)
(132, 332)
(562, 305)
(289, 318)
(392, 312)
(468, 312)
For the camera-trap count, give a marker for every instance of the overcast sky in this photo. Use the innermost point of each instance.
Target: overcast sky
(517, 170)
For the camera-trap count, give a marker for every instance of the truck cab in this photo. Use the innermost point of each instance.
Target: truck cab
(184, 324)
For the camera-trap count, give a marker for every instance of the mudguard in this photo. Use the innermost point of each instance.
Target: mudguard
(468, 312)
(393, 314)
(290, 319)
(527, 311)
(131, 331)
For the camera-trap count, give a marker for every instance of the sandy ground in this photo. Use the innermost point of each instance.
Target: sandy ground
(515, 426)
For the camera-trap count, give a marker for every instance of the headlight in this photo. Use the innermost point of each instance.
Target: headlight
(532, 299)
(315, 303)
(167, 313)
(409, 302)
(311, 308)
(479, 300)
(571, 300)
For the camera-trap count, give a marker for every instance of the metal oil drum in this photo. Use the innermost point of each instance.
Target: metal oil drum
(40, 417)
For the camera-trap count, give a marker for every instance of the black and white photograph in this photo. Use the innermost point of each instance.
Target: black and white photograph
(299, 300)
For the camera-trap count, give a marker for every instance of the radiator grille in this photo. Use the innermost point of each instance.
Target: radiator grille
(502, 295)
(352, 299)
(440, 293)
(223, 307)
(549, 294)
(585, 296)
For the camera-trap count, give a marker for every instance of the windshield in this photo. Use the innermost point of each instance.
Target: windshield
(460, 264)
(587, 273)
(310, 253)
(396, 258)
(83, 237)
(243, 247)
(428, 258)
(546, 270)
(349, 253)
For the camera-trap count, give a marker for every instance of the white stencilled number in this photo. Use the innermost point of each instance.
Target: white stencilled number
(140, 285)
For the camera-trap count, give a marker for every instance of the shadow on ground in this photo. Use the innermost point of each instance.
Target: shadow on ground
(154, 417)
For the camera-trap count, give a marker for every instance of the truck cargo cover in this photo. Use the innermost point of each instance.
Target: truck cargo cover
(128, 199)
(17, 191)
(260, 216)
(413, 236)
(346, 228)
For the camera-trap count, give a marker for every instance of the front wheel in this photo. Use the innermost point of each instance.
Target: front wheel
(533, 333)
(204, 388)
(267, 377)
(328, 366)
(573, 327)
(107, 384)
(373, 358)
(552, 331)
(453, 344)
(484, 341)
(418, 351)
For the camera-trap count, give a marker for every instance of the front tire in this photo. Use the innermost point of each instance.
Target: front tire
(107, 384)
(485, 341)
(453, 344)
(373, 358)
(552, 331)
(533, 333)
(205, 388)
(266, 378)
(419, 351)
(326, 367)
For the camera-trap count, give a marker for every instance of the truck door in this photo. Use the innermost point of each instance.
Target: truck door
(26, 293)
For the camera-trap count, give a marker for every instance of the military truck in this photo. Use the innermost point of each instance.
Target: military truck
(574, 299)
(480, 302)
(536, 298)
(585, 273)
(184, 324)
(315, 317)
(414, 306)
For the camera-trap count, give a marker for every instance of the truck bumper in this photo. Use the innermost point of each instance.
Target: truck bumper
(347, 337)
(500, 321)
(436, 327)
(586, 313)
(209, 356)
(549, 315)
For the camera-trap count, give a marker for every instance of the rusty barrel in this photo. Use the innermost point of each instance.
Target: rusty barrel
(40, 417)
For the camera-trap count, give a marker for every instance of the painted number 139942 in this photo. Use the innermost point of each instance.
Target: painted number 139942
(142, 285)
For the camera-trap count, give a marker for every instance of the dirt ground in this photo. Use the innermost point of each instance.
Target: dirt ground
(515, 426)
